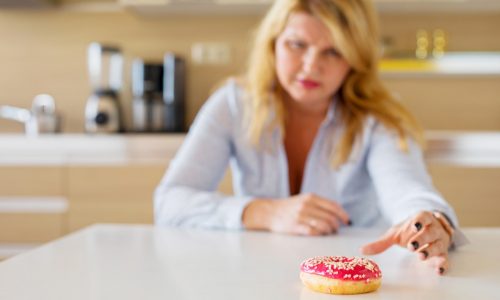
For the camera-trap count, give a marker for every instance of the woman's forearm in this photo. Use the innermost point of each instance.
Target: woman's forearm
(257, 214)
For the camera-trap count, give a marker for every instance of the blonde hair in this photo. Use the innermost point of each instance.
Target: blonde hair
(353, 25)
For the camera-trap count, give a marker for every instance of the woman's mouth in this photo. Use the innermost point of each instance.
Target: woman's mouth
(309, 84)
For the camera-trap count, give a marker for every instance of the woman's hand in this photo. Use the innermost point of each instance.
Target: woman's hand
(305, 214)
(428, 234)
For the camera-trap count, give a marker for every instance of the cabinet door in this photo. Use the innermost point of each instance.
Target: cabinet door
(111, 194)
(473, 192)
(32, 204)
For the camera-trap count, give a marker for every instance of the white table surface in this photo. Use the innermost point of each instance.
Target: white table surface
(142, 262)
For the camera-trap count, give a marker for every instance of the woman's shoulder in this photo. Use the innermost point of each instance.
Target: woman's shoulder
(228, 97)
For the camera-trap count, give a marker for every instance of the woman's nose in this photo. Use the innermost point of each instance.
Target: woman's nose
(311, 62)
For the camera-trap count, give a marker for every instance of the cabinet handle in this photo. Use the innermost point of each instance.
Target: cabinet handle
(37, 205)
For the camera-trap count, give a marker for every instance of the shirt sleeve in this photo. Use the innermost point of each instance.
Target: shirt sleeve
(187, 196)
(401, 180)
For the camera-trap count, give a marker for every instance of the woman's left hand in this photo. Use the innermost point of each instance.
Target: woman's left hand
(428, 234)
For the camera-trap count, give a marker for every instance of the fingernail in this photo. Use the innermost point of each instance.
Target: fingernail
(415, 245)
(418, 226)
(349, 222)
(441, 270)
(425, 254)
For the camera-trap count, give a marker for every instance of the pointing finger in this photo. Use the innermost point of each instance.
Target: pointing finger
(386, 241)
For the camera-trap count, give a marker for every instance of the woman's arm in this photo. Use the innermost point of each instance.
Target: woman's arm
(187, 193)
(420, 216)
(401, 180)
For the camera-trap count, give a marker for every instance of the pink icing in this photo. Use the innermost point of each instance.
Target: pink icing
(343, 268)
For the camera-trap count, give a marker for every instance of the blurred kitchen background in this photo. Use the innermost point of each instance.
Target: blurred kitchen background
(441, 58)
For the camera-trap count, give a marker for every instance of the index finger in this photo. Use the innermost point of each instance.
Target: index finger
(421, 220)
(334, 208)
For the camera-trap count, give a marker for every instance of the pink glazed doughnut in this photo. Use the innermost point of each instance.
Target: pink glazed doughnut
(340, 275)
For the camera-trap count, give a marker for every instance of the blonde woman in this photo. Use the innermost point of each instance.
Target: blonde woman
(314, 140)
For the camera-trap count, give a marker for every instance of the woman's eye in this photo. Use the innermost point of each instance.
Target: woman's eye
(296, 44)
(332, 53)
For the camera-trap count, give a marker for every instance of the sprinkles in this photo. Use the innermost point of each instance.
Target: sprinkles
(341, 267)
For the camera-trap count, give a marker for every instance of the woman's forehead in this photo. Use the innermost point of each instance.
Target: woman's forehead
(305, 26)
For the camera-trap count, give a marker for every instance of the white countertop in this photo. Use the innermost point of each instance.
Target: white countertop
(86, 149)
(143, 262)
(464, 148)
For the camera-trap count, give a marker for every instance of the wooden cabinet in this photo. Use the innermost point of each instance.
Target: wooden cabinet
(39, 204)
(32, 204)
(259, 7)
(473, 192)
(111, 194)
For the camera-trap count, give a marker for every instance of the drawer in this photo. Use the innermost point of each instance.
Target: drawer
(83, 212)
(30, 227)
(31, 181)
(473, 192)
(114, 183)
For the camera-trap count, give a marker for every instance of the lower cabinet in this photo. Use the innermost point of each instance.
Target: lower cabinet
(39, 204)
(30, 228)
(33, 207)
(472, 191)
(111, 194)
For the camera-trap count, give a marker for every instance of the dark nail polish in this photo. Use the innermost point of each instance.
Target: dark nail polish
(415, 245)
(425, 254)
(349, 223)
(441, 270)
(418, 226)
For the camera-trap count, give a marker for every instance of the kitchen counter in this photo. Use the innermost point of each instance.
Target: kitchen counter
(143, 262)
(463, 64)
(470, 149)
(83, 149)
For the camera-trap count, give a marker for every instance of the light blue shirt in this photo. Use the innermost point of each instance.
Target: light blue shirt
(379, 185)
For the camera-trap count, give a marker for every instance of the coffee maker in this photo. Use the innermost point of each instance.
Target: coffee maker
(159, 95)
(174, 92)
(102, 110)
(147, 89)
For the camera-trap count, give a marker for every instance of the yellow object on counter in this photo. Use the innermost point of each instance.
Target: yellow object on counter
(406, 65)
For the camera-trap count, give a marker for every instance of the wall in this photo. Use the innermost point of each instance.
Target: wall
(45, 52)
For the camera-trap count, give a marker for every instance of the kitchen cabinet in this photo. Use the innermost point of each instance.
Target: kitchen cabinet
(443, 102)
(32, 204)
(473, 192)
(112, 194)
(53, 185)
(256, 7)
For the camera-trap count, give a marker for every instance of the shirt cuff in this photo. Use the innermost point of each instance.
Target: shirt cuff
(234, 212)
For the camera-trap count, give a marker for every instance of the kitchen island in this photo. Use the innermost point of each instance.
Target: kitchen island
(120, 262)
(53, 185)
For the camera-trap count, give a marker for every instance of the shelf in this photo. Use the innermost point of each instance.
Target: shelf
(258, 7)
(451, 64)
(196, 7)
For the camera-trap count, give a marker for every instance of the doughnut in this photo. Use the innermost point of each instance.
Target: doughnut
(340, 274)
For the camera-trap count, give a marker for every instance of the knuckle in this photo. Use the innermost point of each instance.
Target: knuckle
(309, 196)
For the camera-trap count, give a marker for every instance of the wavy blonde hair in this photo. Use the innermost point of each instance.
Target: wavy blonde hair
(353, 26)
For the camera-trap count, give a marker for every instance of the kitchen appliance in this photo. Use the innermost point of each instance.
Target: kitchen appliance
(159, 95)
(174, 93)
(147, 89)
(41, 119)
(102, 111)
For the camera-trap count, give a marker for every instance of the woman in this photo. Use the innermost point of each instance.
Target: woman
(314, 140)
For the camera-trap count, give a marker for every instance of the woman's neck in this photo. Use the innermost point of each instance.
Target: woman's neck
(298, 111)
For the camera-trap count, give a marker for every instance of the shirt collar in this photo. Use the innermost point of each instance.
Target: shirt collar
(330, 114)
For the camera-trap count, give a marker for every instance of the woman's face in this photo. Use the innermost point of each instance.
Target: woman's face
(308, 65)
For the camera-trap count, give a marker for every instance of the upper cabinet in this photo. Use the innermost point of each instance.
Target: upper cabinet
(249, 7)
(155, 7)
